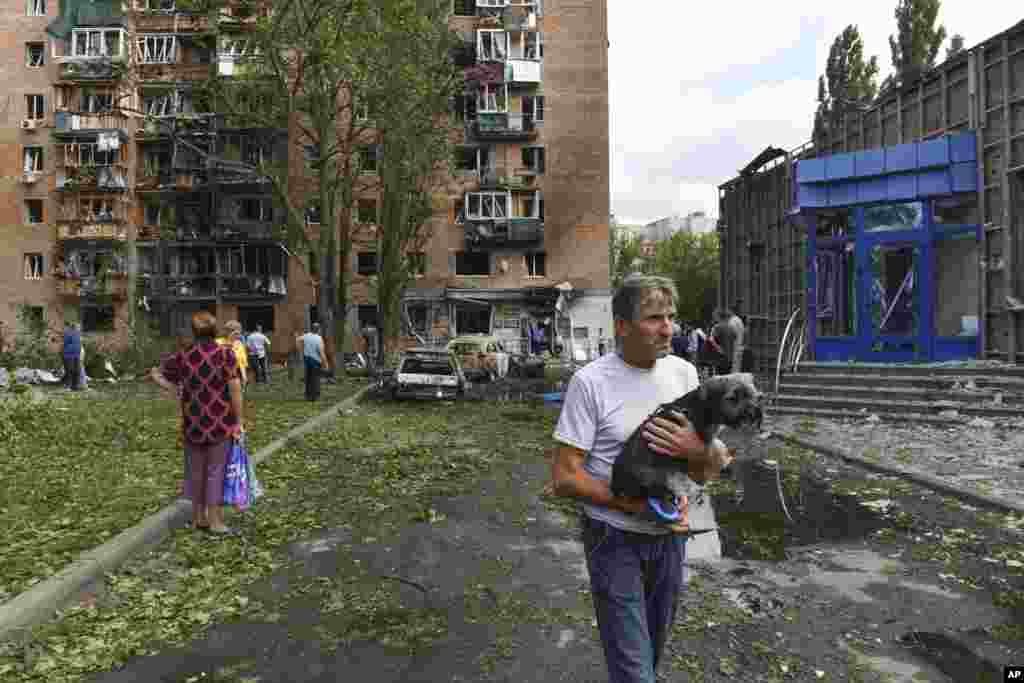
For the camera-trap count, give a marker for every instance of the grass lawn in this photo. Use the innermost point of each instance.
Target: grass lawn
(80, 468)
(375, 470)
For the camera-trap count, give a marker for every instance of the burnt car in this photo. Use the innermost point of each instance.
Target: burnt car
(428, 373)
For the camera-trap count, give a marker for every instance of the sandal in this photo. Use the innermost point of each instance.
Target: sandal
(226, 531)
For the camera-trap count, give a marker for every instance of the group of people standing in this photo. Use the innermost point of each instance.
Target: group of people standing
(722, 350)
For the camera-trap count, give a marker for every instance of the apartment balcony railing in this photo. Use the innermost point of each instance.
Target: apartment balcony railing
(242, 231)
(503, 127)
(214, 286)
(159, 21)
(114, 286)
(523, 71)
(484, 233)
(174, 71)
(90, 68)
(155, 127)
(92, 178)
(86, 229)
(68, 124)
(502, 179)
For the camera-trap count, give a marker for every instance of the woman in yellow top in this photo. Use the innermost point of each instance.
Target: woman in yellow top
(234, 340)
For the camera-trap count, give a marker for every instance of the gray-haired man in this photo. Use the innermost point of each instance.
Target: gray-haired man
(635, 566)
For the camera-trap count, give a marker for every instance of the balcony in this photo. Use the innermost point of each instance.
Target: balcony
(170, 21)
(229, 287)
(113, 286)
(68, 125)
(246, 231)
(74, 69)
(92, 178)
(177, 72)
(504, 127)
(91, 230)
(489, 233)
(522, 71)
(501, 179)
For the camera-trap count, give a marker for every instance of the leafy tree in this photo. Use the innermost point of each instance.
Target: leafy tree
(917, 41)
(416, 141)
(848, 80)
(312, 67)
(956, 45)
(691, 260)
(623, 254)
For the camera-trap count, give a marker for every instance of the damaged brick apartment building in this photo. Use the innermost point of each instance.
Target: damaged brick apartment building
(112, 210)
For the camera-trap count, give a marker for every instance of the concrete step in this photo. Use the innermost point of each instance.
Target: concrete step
(887, 391)
(879, 406)
(850, 415)
(916, 369)
(1006, 384)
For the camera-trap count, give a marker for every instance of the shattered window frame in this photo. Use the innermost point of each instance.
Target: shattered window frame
(97, 43)
(157, 48)
(35, 55)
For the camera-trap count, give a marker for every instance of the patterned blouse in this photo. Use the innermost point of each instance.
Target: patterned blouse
(202, 373)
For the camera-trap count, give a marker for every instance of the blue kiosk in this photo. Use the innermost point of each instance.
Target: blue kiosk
(893, 251)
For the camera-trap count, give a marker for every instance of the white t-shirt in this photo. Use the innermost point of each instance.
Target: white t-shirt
(606, 401)
(257, 343)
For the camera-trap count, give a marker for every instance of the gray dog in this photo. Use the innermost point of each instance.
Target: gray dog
(640, 472)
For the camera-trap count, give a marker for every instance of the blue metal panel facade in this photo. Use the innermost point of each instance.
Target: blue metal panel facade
(902, 179)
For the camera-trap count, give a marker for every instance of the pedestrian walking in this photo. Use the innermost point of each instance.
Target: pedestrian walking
(311, 346)
(207, 377)
(72, 355)
(257, 344)
(728, 334)
(635, 566)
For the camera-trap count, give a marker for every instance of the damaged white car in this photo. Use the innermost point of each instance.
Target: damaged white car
(428, 373)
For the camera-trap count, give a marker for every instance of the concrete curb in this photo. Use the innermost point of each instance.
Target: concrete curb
(39, 603)
(975, 497)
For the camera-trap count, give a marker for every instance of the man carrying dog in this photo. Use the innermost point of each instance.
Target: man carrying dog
(635, 566)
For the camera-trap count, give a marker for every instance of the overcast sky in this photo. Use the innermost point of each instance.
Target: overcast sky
(697, 94)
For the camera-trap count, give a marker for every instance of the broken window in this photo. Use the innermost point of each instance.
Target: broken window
(464, 8)
(894, 216)
(255, 209)
(366, 263)
(492, 98)
(485, 205)
(33, 211)
(958, 210)
(491, 45)
(833, 223)
(35, 55)
(464, 107)
(465, 158)
(155, 5)
(96, 43)
(533, 107)
(157, 49)
(536, 264)
(35, 107)
(458, 215)
(156, 160)
(32, 162)
(836, 291)
(33, 266)
(956, 284)
(35, 8)
(96, 210)
(90, 154)
(234, 48)
(418, 318)
(166, 102)
(368, 155)
(533, 159)
(311, 153)
(96, 102)
(472, 263)
(151, 215)
(313, 213)
(525, 45)
(366, 211)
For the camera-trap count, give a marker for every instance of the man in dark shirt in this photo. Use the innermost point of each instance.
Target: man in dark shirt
(72, 355)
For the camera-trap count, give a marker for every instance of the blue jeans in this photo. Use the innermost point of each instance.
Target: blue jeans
(312, 378)
(635, 581)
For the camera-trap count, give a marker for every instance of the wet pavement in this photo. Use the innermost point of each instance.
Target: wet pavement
(827, 573)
